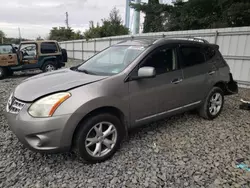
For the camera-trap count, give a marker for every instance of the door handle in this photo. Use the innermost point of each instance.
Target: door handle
(211, 72)
(176, 81)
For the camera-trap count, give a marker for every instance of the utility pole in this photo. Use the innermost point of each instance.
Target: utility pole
(20, 37)
(127, 20)
(67, 20)
(136, 21)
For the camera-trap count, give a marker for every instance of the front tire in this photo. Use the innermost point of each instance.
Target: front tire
(213, 104)
(99, 137)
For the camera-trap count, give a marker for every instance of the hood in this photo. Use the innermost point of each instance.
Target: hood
(46, 83)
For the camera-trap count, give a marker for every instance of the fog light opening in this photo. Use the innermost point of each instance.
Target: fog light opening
(37, 140)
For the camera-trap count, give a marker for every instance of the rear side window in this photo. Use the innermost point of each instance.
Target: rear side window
(209, 52)
(48, 47)
(192, 55)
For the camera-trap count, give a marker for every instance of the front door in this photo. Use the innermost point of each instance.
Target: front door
(28, 55)
(8, 56)
(152, 98)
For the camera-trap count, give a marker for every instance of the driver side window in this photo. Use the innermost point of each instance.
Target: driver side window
(28, 50)
(163, 60)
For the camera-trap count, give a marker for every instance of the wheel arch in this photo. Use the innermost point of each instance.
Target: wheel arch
(221, 85)
(105, 109)
(48, 59)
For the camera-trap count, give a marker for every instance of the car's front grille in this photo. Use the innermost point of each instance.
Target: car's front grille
(14, 106)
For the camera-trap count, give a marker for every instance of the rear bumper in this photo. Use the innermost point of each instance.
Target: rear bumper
(231, 86)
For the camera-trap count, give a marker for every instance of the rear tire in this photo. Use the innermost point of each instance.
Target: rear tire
(49, 66)
(213, 104)
(98, 138)
(3, 72)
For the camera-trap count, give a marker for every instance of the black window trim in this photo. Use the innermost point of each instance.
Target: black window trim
(136, 68)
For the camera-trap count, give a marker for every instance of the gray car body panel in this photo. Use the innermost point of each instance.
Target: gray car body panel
(140, 101)
(46, 83)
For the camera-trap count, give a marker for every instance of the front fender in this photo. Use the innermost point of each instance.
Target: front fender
(85, 109)
(91, 97)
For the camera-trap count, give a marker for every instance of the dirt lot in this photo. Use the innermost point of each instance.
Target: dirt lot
(182, 151)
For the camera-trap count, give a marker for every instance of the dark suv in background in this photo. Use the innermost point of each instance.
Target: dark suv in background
(90, 107)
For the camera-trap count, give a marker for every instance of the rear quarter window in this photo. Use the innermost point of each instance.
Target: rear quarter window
(48, 47)
(209, 52)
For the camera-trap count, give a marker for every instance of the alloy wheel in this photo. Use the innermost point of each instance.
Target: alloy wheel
(215, 104)
(101, 139)
(49, 68)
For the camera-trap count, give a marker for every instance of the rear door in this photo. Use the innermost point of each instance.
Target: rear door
(8, 57)
(198, 72)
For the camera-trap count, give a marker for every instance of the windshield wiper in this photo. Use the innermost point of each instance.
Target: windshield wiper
(84, 71)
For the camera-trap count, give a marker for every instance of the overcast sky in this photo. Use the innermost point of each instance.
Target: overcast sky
(37, 17)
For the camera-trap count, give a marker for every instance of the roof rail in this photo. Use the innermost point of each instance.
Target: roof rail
(198, 39)
(157, 40)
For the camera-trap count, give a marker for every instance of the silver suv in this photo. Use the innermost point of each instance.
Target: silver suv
(89, 108)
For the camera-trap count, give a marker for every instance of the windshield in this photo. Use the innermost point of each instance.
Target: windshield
(111, 61)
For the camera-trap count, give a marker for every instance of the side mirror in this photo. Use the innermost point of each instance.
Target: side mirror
(145, 72)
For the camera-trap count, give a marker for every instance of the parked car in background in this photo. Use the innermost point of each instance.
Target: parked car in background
(43, 55)
(89, 108)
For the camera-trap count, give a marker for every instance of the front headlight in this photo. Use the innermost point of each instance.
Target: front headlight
(46, 106)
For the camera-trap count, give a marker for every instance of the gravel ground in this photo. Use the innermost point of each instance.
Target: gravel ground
(182, 151)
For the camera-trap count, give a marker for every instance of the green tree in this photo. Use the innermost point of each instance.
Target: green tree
(92, 32)
(236, 13)
(78, 35)
(64, 34)
(2, 35)
(39, 38)
(154, 15)
(111, 26)
(194, 14)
